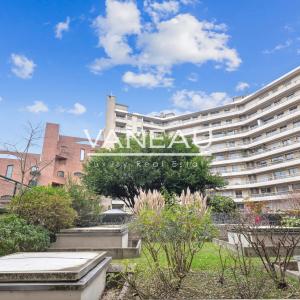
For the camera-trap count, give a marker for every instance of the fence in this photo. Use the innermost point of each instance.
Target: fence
(235, 218)
(8, 189)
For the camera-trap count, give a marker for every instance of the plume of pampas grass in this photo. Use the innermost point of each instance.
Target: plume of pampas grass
(148, 200)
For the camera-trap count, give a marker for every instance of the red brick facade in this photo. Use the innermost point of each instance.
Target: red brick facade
(61, 157)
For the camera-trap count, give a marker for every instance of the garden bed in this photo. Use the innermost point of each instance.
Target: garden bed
(203, 281)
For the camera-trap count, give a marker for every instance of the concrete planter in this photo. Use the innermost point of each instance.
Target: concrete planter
(236, 241)
(110, 238)
(263, 233)
(92, 237)
(53, 276)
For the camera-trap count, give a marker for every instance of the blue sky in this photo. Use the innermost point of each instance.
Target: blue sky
(60, 58)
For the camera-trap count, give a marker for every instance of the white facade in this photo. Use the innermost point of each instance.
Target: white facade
(256, 138)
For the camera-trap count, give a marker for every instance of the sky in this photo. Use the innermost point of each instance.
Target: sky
(59, 59)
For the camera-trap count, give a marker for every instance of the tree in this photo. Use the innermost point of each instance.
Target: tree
(29, 172)
(117, 174)
(86, 204)
(47, 206)
(222, 204)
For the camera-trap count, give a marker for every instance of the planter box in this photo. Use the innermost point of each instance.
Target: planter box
(111, 239)
(133, 250)
(53, 276)
(263, 233)
(98, 237)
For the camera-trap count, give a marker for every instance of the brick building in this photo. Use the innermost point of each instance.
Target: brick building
(61, 157)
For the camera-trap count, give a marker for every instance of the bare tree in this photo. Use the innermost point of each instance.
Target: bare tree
(28, 172)
(274, 244)
(248, 279)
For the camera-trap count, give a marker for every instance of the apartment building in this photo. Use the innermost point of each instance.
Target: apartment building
(255, 141)
(62, 157)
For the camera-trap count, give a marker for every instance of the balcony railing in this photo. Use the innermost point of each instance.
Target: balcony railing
(265, 179)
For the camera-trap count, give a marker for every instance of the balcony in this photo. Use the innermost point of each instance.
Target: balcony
(63, 153)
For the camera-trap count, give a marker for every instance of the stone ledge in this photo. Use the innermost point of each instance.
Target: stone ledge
(78, 285)
(57, 266)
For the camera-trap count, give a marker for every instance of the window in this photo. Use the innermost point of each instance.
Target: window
(238, 194)
(214, 112)
(296, 186)
(286, 142)
(61, 174)
(277, 159)
(279, 115)
(82, 154)
(296, 123)
(282, 188)
(9, 171)
(272, 132)
(283, 128)
(78, 174)
(266, 190)
(280, 174)
(262, 163)
(294, 171)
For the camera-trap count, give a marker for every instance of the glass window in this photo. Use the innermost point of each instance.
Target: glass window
(78, 174)
(82, 154)
(280, 174)
(282, 188)
(9, 171)
(294, 171)
(238, 194)
(266, 190)
(61, 174)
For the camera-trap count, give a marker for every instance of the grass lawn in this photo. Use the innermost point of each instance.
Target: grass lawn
(206, 259)
(203, 281)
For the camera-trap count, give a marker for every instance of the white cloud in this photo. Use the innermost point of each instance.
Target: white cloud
(147, 80)
(122, 19)
(279, 47)
(288, 28)
(22, 66)
(161, 10)
(78, 109)
(241, 86)
(37, 107)
(193, 77)
(177, 40)
(1, 99)
(62, 27)
(199, 100)
(184, 39)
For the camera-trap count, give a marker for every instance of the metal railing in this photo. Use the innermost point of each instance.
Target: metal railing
(8, 189)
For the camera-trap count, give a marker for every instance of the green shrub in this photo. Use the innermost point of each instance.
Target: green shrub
(176, 232)
(18, 236)
(289, 221)
(49, 207)
(85, 203)
(222, 204)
